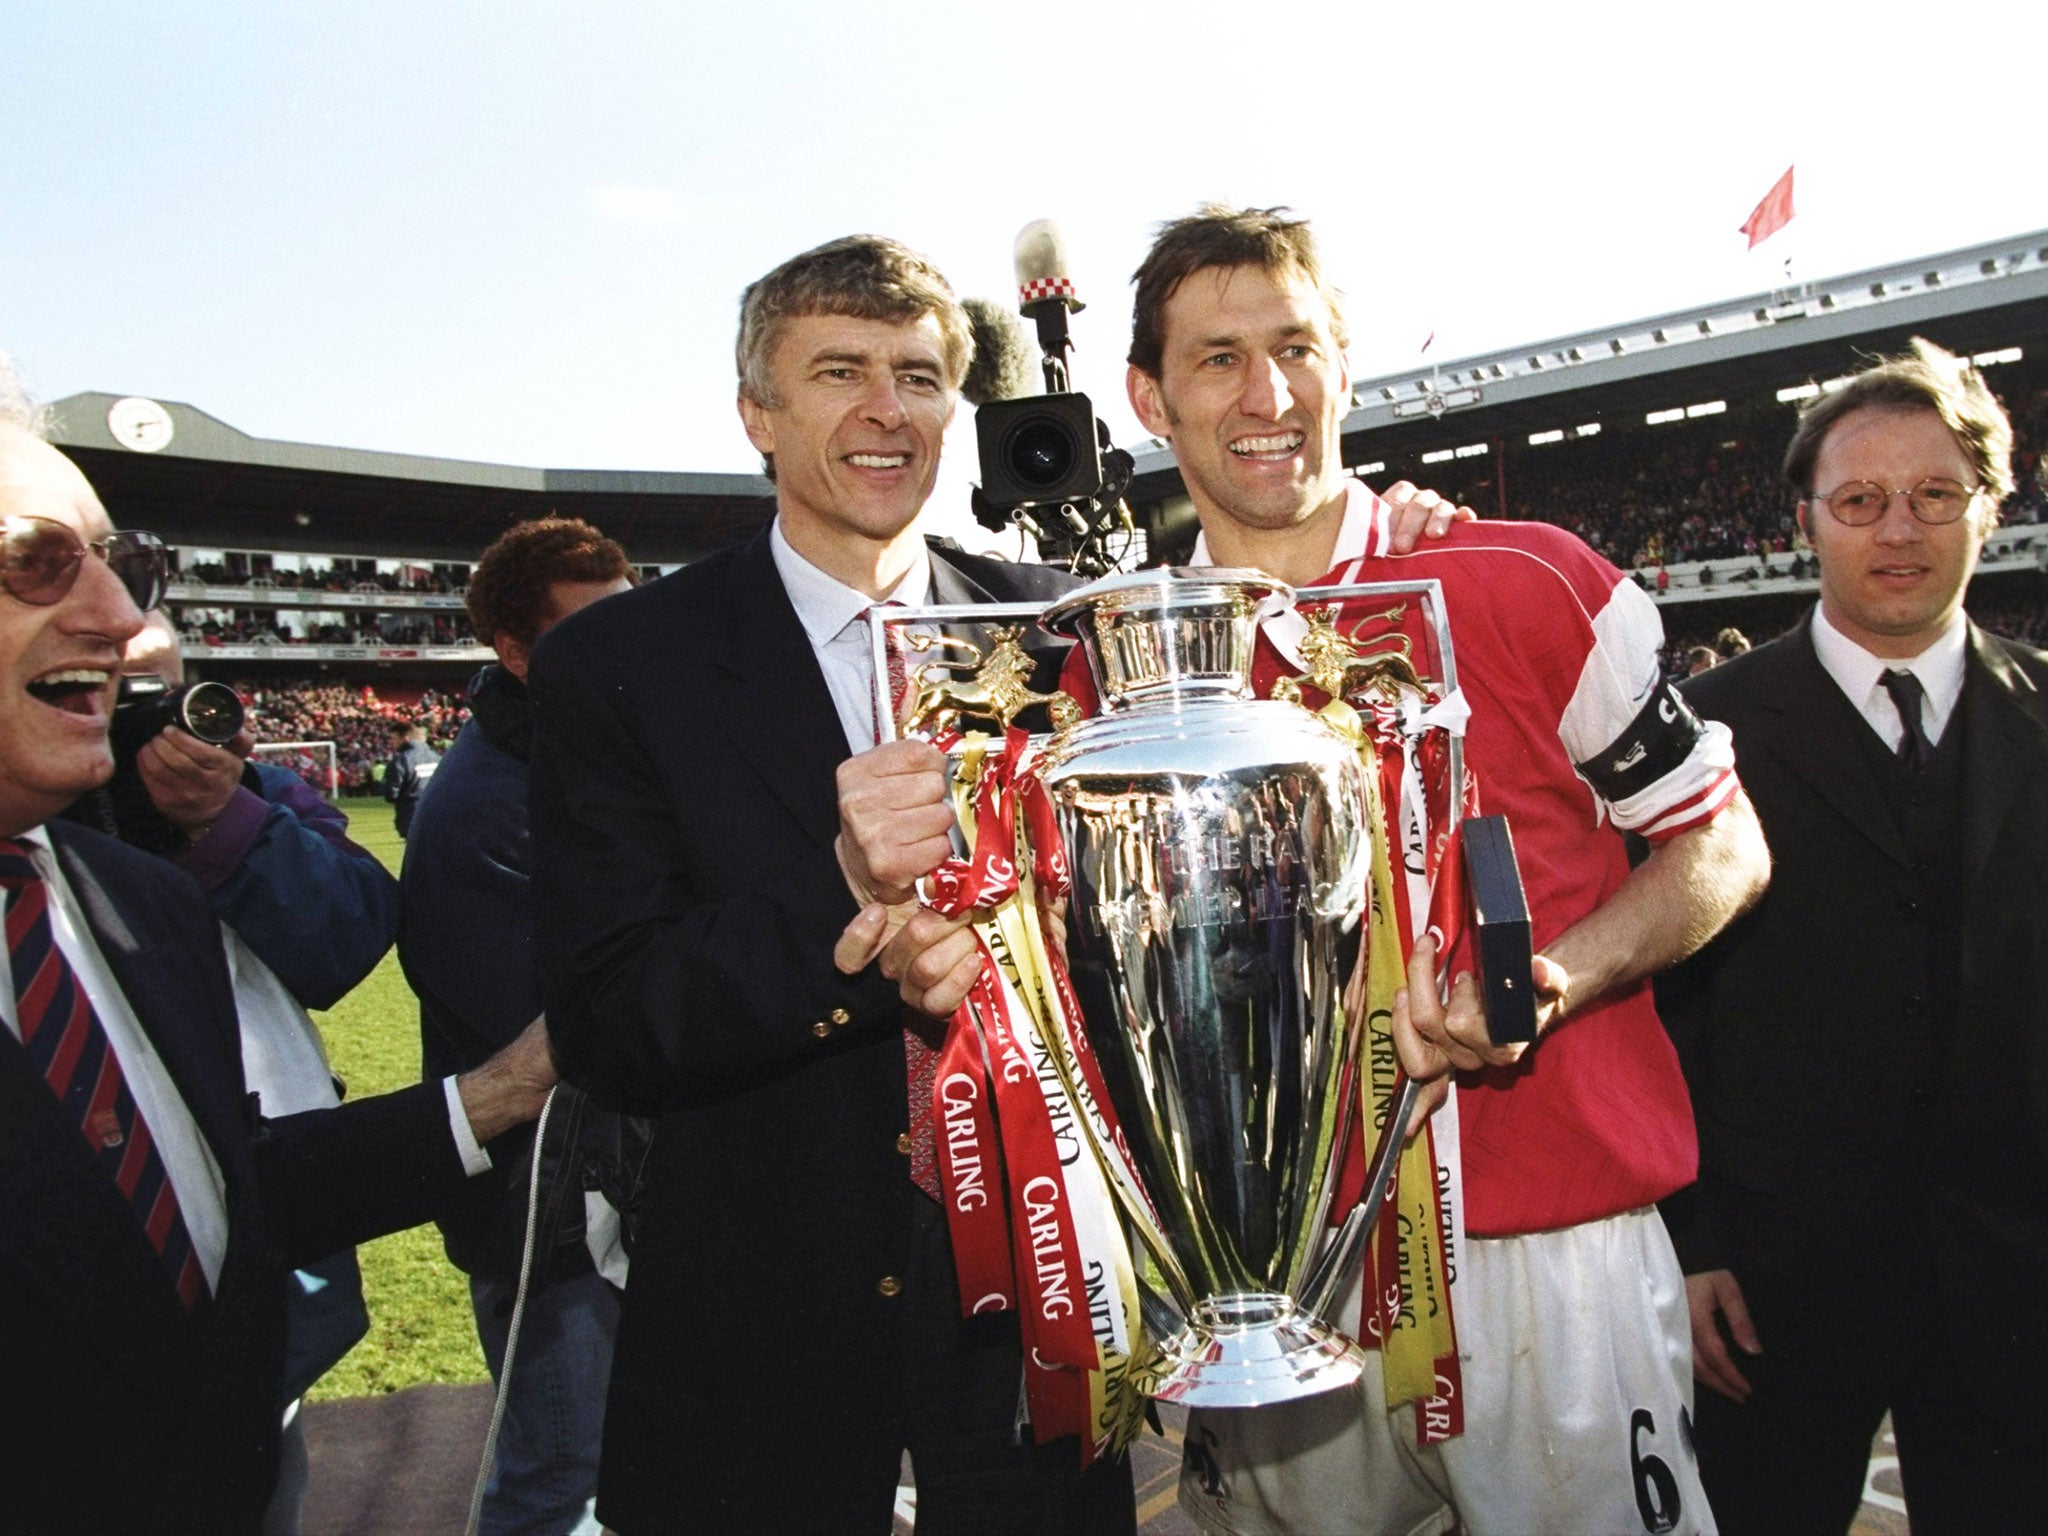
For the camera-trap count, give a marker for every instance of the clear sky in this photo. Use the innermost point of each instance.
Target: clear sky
(517, 231)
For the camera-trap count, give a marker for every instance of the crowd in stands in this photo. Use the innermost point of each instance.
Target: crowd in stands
(361, 724)
(415, 579)
(2025, 622)
(1703, 490)
(409, 629)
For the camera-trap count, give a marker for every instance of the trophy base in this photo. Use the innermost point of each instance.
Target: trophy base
(1251, 1349)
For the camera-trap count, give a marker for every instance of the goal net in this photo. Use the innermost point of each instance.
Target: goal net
(313, 761)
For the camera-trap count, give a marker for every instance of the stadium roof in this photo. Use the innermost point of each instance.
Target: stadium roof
(1980, 298)
(194, 479)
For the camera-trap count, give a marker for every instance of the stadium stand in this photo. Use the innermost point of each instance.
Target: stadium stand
(348, 566)
(1709, 491)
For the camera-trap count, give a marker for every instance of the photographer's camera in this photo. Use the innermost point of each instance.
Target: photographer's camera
(145, 708)
(147, 705)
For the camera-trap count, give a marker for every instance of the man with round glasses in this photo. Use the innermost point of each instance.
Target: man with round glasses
(1868, 1049)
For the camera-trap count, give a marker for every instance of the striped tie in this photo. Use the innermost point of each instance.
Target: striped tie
(65, 1040)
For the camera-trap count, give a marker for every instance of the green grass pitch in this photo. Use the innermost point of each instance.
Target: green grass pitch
(420, 1325)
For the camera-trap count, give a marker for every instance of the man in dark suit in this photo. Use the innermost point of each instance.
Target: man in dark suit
(1868, 1048)
(791, 1323)
(150, 1217)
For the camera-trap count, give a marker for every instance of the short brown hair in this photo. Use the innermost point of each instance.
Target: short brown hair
(867, 277)
(510, 590)
(1922, 378)
(1216, 235)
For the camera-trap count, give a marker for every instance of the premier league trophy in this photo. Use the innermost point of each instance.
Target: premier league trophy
(1219, 847)
(1217, 852)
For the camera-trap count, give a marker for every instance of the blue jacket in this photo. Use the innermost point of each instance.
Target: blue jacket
(466, 941)
(466, 930)
(278, 868)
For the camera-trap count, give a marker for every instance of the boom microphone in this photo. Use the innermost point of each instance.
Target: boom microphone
(1041, 257)
(1001, 369)
(1046, 293)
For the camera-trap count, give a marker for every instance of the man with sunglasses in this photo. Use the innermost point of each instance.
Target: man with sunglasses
(150, 1215)
(1868, 1049)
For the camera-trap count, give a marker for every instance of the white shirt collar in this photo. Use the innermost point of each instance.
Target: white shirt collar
(1363, 531)
(1860, 675)
(824, 604)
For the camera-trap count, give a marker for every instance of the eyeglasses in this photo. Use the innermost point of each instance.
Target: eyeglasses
(1860, 503)
(40, 559)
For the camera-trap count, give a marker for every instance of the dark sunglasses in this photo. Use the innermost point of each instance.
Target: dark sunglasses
(39, 561)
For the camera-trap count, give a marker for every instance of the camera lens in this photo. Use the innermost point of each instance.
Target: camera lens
(1041, 452)
(212, 712)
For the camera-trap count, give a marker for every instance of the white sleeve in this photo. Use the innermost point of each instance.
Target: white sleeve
(475, 1159)
(1655, 765)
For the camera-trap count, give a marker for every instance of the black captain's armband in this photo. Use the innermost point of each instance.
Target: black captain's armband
(1660, 737)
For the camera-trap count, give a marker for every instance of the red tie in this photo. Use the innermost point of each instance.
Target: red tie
(64, 1038)
(899, 672)
(920, 1061)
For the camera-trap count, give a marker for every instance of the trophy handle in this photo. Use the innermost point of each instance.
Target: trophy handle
(1341, 1255)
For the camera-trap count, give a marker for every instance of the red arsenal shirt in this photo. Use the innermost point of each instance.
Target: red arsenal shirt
(1558, 658)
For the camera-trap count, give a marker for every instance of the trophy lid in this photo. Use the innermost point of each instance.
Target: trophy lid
(1184, 630)
(1166, 589)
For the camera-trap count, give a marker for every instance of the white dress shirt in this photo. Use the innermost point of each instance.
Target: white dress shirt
(1860, 676)
(831, 614)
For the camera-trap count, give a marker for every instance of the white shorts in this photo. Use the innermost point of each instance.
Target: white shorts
(1577, 1357)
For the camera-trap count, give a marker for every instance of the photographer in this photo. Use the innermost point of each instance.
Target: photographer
(273, 857)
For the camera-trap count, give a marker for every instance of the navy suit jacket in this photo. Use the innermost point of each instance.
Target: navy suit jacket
(1793, 1024)
(684, 811)
(127, 1413)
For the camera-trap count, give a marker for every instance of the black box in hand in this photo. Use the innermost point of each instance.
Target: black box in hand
(1502, 954)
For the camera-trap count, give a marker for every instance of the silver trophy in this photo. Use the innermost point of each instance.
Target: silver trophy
(1220, 851)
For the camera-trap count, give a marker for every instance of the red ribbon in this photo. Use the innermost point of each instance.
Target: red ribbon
(994, 1124)
(970, 1171)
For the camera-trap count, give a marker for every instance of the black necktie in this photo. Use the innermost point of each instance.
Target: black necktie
(1914, 747)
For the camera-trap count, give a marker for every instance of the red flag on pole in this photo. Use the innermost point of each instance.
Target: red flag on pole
(1772, 214)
